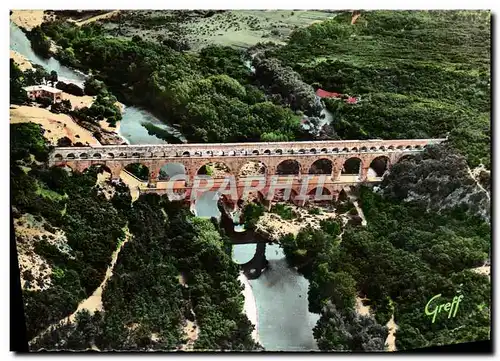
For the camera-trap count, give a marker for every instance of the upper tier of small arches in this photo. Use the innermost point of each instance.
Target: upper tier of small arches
(92, 153)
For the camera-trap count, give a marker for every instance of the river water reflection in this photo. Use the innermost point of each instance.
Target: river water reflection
(285, 323)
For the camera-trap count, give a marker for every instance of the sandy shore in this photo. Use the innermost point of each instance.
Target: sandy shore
(23, 63)
(27, 19)
(250, 306)
(105, 126)
(56, 125)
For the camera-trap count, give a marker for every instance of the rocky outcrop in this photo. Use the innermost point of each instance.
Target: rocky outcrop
(35, 271)
(287, 83)
(272, 227)
(440, 179)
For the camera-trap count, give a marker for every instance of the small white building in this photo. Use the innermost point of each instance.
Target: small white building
(37, 91)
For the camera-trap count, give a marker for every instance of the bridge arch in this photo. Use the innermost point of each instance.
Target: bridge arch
(323, 150)
(406, 157)
(379, 165)
(97, 156)
(252, 168)
(71, 156)
(99, 168)
(321, 166)
(170, 169)
(214, 169)
(313, 151)
(278, 151)
(111, 156)
(351, 167)
(58, 157)
(324, 192)
(139, 170)
(84, 156)
(288, 166)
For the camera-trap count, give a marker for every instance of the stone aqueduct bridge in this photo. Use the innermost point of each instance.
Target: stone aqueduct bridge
(236, 155)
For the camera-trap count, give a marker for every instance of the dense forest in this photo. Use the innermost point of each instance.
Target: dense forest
(415, 74)
(404, 256)
(209, 94)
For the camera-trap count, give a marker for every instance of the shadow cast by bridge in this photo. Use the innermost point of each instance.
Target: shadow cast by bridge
(254, 268)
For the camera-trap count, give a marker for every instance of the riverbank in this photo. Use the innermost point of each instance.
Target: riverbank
(21, 61)
(77, 131)
(250, 306)
(105, 125)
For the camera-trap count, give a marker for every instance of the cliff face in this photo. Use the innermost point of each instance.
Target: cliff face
(440, 179)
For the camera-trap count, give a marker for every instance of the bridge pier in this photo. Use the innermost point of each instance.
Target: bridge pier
(152, 181)
(363, 174)
(301, 203)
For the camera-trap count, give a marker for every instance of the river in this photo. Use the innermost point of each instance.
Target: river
(284, 322)
(133, 118)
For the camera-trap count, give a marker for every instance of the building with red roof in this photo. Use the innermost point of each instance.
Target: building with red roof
(324, 94)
